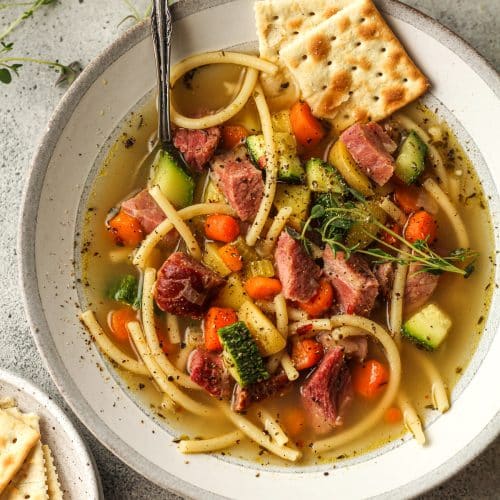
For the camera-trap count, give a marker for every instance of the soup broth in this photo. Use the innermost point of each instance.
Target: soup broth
(465, 300)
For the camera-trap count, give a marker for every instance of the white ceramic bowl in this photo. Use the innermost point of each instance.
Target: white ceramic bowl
(464, 89)
(75, 466)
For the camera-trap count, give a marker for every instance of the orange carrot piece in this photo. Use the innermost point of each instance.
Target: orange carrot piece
(293, 420)
(421, 226)
(321, 302)
(231, 257)
(306, 353)
(222, 228)
(407, 198)
(216, 318)
(306, 128)
(118, 320)
(389, 238)
(369, 378)
(262, 288)
(126, 229)
(233, 135)
(393, 415)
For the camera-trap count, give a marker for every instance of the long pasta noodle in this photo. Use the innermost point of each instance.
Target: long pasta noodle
(173, 332)
(313, 325)
(281, 314)
(177, 221)
(257, 435)
(438, 389)
(397, 302)
(434, 154)
(153, 238)
(410, 418)
(288, 367)
(161, 379)
(451, 212)
(393, 211)
(183, 357)
(274, 362)
(293, 313)
(273, 428)
(212, 444)
(148, 322)
(167, 403)
(274, 231)
(394, 360)
(107, 347)
(271, 168)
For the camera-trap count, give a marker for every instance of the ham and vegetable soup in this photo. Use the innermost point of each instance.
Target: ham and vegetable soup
(317, 279)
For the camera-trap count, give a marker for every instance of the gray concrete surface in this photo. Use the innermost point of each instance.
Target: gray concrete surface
(80, 29)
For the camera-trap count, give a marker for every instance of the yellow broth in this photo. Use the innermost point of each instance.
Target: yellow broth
(466, 301)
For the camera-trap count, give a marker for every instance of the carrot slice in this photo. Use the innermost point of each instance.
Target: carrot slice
(421, 226)
(393, 415)
(389, 238)
(321, 302)
(216, 318)
(233, 135)
(126, 230)
(307, 129)
(118, 320)
(293, 420)
(223, 228)
(262, 288)
(369, 378)
(306, 353)
(231, 257)
(407, 198)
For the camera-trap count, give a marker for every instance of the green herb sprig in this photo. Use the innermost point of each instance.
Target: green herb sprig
(135, 15)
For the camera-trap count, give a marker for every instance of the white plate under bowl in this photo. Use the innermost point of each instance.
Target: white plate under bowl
(76, 468)
(464, 89)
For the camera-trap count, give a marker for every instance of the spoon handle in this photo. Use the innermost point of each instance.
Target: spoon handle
(161, 31)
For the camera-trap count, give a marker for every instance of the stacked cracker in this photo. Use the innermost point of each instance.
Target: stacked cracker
(26, 465)
(342, 55)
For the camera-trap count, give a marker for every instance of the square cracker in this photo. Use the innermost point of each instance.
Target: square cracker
(351, 67)
(17, 439)
(31, 479)
(53, 485)
(279, 22)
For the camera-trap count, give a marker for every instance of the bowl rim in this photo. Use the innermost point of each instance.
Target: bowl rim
(34, 392)
(27, 228)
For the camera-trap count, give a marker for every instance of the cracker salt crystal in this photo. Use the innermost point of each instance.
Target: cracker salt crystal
(351, 67)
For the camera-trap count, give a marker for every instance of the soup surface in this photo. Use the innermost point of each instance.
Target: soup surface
(465, 301)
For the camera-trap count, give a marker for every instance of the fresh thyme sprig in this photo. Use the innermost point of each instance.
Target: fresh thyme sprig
(11, 65)
(135, 15)
(337, 217)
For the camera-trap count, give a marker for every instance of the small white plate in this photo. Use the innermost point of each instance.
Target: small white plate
(76, 468)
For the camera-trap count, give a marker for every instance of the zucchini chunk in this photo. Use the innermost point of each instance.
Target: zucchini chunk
(323, 178)
(268, 338)
(262, 267)
(428, 327)
(212, 194)
(290, 169)
(410, 162)
(358, 233)
(175, 183)
(241, 354)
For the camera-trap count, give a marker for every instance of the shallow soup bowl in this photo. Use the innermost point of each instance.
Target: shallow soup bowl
(465, 92)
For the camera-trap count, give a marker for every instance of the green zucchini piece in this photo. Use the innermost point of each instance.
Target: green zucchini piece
(321, 177)
(175, 183)
(290, 169)
(241, 354)
(126, 290)
(410, 162)
(262, 267)
(428, 327)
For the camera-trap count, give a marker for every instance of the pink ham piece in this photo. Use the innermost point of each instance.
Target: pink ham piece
(184, 286)
(239, 181)
(371, 149)
(355, 284)
(297, 272)
(145, 209)
(419, 287)
(207, 369)
(328, 392)
(197, 146)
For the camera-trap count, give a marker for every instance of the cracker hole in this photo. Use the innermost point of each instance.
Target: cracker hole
(376, 97)
(405, 80)
(275, 18)
(362, 20)
(351, 92)
(14, 440)
(324, 87)
(333, 38)
(379, 74)
(358, 44)
(312, 13)
(295, 33)
(304, 57)
(354, 68)
(346, 116)
(383, 49)
(329, 63)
